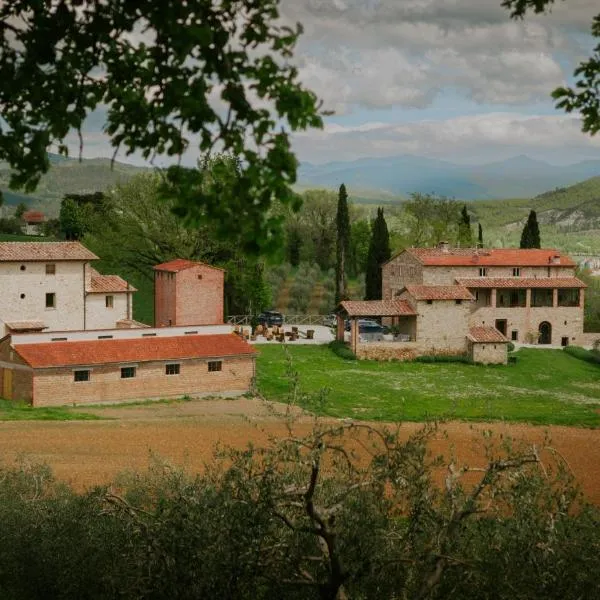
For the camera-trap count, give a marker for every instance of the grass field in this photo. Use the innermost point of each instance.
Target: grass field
(543, 387)
(16, 411)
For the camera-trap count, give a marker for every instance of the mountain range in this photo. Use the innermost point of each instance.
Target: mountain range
(516, 177)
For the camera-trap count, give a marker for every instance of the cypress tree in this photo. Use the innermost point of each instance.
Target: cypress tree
(480, 236)
(465, 235)
(343, 245)
(379, 252)
(530, 236)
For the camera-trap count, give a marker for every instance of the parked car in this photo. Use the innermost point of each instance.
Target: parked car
(270, 318)
(367, 326)
(330, 320)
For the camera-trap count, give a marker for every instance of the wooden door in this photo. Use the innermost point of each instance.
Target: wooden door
(7, 384)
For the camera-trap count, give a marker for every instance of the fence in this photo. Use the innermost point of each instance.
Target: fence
(288, 319)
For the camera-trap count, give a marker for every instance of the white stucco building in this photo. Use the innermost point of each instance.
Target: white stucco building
(52, 286)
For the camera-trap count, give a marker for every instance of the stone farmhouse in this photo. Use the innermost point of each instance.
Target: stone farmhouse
(52, 286)
(34, 221)
(456, 300)
(67, 336)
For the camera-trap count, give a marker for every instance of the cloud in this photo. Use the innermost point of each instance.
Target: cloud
(383, 53)
(475, 138)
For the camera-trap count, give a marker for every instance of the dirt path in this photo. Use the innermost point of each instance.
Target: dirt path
(86, 453)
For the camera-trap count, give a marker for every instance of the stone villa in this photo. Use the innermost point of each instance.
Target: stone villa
(456, 300)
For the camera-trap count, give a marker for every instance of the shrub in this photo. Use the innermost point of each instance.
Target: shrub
(342, 350)
(590, 356)
(511, 347)
(444, 358)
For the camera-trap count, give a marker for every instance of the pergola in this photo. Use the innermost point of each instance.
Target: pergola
(356, 309)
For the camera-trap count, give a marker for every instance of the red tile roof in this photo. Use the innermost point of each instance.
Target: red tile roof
(44, 251)
(98, 352)
(439, 292)
(377, 308)
(522, 282)
(483, 334)
(102, 284)
(493, 257)
(180, 264)
(33, 216)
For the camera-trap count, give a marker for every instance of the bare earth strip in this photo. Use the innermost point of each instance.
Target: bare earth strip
(87, 453)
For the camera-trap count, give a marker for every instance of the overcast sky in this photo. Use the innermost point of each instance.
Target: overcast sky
(450, 79)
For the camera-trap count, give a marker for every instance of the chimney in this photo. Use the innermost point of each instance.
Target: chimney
(444, 247)
(555, 260)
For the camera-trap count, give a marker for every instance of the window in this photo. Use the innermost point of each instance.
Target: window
(82, 375)
(458, 301)
(215, 365)
(109, 301)
(51, 300)
(516, 272)
(51, 269)
(514, 335)
(429, 301)
(148, 334)
(190, 332)
(60, 339)
(105, 337)
(483, 271)
(127, 372)
(23, 267)
(172, 369)
(22, 296)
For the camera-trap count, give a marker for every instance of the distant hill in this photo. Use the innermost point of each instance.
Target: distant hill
(68, 176)
(569, 217)
(519, 176)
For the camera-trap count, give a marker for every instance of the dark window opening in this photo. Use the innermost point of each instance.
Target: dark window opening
(148, 334)
(105, 337)
(516, 272)
(51, 269)
(458, 301)
(23, 267)
(215, 365)
(429, 301)
(568, 297)
(61, 339)
(127, 372)
(22, 296)
(172, 369)
(109, 301)
(83, 375)
(564, 341)
(514, 335)
(483, 271)
(190, 332)
(51, 300)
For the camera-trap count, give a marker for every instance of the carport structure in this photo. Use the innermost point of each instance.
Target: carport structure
(398, 310)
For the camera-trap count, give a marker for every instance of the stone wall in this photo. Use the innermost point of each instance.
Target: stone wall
(99, 316)
(489, 353)
(55, 387)
(400, 271)
(403, 350)
(24, 287)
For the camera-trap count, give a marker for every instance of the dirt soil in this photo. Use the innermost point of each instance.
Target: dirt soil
(86, 453)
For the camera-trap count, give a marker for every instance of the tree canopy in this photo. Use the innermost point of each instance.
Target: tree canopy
(342, 245)
(530, 236)
(584, 97)
(170, 75)
(379, 252)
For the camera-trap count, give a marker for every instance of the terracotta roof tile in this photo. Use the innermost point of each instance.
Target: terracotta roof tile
(33, 216)
(102, 284)
(522, 282)
(439, 292)
(499, 257)
(44, 251)
(180, 264)
(97, 352)
(377, 308)
(483, 334)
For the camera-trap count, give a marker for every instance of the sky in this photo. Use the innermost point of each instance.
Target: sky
(456, 80)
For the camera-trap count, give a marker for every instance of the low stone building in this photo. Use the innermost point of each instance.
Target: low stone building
(34, 222)
(123, 365)
(487, 346)
(187, 293)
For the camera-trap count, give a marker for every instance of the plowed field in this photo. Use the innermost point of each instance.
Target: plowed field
(85, 453)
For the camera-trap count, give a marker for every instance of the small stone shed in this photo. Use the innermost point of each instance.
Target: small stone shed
(90, 371)
(487, 346)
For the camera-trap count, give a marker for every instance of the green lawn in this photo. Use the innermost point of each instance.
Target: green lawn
(18, 411)
(543, 387)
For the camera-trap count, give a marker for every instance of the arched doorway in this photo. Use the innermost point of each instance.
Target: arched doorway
(545, 330)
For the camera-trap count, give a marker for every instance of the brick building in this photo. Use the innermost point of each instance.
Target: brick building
(187, 293)
(52, 286)
(529, 295)
(81, 368)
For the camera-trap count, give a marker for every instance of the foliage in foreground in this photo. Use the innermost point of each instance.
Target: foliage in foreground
(346, 511)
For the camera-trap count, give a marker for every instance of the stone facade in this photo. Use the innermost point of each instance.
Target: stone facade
(536, 312)
(489, 353)
(55, 288)
(188, 293)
